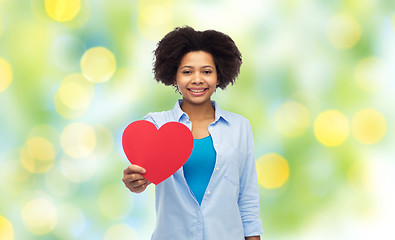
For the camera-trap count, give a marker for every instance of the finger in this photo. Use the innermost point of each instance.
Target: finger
(134, 168)
(132, 177)
(139, 189)
(139, 183)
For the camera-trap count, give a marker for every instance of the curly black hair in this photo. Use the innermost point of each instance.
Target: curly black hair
(182, 40)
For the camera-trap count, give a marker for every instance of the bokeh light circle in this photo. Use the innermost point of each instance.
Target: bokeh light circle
(39, 216)
(371, 74)
(78, 140)
(291, 119)
(62, 10)
(114, 202)
(38, 155)
(73, 97)
(58, 184)
(98, 64)
(65, 111)
(15, 177)
(272, 170)
(359, 177)
(78, 170)
(6, 229)
(41, 148)
(331, 128)
(155, 19)
(368, 126)
(76, 92)
(104, 142)
(73, 222)
(5, 74)
(343, 31)
(120, 232)
(48, 133)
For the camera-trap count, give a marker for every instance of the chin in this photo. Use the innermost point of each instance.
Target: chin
(196, 101)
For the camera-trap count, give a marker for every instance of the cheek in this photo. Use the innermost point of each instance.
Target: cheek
(178, 79)
(180, 84)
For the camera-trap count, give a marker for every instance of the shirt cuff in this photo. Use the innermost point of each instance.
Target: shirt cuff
(253, 228)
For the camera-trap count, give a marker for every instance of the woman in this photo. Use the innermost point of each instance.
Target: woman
(215, 194)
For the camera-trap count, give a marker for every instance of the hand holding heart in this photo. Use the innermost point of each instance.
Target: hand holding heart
(133, 179)
(160, 152)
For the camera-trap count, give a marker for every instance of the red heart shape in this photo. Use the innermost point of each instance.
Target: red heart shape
(161, 152)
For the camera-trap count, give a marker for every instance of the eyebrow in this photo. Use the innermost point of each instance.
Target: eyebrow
(187, 66)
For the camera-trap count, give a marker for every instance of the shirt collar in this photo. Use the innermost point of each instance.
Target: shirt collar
(178, 113)
(219, 113)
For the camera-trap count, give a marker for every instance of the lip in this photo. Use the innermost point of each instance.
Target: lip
(197, 93)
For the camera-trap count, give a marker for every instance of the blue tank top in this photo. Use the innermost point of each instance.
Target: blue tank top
(200, 166)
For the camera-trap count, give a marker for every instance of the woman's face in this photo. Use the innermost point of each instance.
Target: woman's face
(197, 77)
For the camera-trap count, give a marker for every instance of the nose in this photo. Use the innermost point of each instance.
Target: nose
(197, 78)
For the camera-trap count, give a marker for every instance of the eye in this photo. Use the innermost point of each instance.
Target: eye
(186, 72)
(207, 71)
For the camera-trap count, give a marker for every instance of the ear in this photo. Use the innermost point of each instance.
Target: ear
(174, 82)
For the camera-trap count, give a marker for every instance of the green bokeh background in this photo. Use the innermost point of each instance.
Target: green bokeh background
(341, 192)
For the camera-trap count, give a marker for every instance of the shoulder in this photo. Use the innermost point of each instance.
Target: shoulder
(158, 115)
(235, 119)
(159, 118)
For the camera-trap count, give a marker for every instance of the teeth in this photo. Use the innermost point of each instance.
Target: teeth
(197, 91)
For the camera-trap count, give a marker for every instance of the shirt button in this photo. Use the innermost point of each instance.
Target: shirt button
(208, 192)
(217, 168)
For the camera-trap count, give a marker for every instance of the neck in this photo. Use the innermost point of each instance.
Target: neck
(198, 111)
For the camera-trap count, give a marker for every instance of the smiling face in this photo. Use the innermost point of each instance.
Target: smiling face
(197, 77)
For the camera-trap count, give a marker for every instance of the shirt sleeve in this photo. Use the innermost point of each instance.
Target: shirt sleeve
(249, 192)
